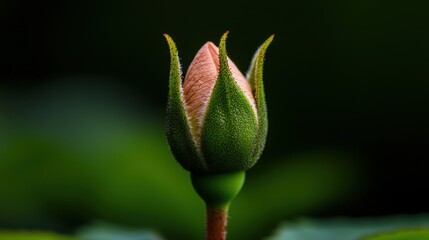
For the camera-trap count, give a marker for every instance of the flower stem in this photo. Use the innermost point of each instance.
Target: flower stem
(217, 219)
(217, 191)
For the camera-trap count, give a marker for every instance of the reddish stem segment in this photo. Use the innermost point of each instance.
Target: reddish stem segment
(217, 219)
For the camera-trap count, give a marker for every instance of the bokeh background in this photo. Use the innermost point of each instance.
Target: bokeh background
(83, 89)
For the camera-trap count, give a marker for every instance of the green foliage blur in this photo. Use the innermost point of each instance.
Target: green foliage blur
(83, 89)
(392, 227)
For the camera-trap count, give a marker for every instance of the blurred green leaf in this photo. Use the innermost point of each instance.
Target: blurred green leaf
(104, 231)
(32, 236)
(82, 157)
(350, 229)
(420, 234)
(302, 183)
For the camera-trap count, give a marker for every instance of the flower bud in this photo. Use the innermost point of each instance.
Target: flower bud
(216, 121)
(200, 80)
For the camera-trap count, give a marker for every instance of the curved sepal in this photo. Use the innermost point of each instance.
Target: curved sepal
(178, 128)
(229, 127)
(254, 75)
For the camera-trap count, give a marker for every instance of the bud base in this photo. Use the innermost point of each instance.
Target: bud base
(218, 190)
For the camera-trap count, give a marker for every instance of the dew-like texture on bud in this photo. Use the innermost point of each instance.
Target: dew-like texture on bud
(230, 125)
(200, 80)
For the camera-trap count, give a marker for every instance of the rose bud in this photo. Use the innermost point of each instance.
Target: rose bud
(216, 121)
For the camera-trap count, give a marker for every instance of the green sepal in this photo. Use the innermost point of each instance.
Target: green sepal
(254, 76)
(178, 128)
(229, 125)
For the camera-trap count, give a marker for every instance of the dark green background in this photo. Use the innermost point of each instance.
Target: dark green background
(344, 79)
